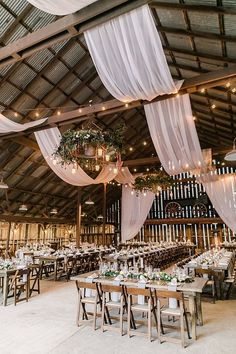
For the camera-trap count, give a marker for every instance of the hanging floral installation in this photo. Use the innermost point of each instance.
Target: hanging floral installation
(91, 148)
(154, 182)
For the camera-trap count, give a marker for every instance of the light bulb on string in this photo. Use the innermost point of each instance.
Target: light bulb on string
(97, 168)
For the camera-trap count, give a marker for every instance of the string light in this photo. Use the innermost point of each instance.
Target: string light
(135, 169)
(58, 113)
(80, 110)
(130, 149)
(126, 105)
(147, 169)
(103, 108)
(144, 143)
(234, 89)
(194, 118)
(228, 84)
(132, 192)
(16, 114)
(115, 170)
(73, 170)
(203, 90)
(177, 95)
(213, 106)
(37, 114)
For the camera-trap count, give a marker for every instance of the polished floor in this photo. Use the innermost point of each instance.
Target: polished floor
(46, 324)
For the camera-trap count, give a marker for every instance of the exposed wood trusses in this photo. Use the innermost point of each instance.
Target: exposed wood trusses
(44, 64)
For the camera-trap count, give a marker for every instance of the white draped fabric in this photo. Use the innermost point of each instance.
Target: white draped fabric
(129, 58)
(60, 7)
(134, 211)
(174, 135)
(9, 126)
(221, 190)
(49, 140)
(125, 176)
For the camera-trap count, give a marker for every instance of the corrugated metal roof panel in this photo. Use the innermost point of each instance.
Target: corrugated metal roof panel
(73, 55)
(6, 20)
(40, 59)
(70, 83)
(205, 22)
(8, 93)
(177, 41)
(38, 19)
(40, 87)
(171, 18)
(209, 46)
(23, 76)
(19, 33)
(56, 72)
(16, 6)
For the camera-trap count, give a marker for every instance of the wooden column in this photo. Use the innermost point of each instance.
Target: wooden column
(26, 232)
(104, 213)
(78, 218)
(8, 239)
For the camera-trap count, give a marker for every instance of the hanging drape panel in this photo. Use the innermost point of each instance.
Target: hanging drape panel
(9, 126)
(134, 211)
(125, 176)
(60, 7)
(49, 140)
(129, 58)
(174, 135)
(221, 190)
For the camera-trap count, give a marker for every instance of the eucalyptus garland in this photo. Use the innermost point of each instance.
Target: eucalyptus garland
(154, 182)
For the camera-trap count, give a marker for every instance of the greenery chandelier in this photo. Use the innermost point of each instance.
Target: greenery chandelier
(90, 148)
(154, 182)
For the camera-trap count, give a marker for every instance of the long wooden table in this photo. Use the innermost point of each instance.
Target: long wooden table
(192, 290)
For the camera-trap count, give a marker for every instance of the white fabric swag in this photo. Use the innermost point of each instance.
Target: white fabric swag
(134, 211)
(129, 58)
(60, 7)
(49, 140)
(221, 190)
(174, 135)
(9, 126)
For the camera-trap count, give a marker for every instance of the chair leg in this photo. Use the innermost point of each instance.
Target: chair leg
(121, 315)
(103, 310)
(187, 325)
(159, 321)
(150, 325)
(95, 314)
(129, 317)
(182, 329)
(79, 308)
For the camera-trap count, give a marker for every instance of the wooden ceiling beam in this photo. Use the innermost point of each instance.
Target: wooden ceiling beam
(37, 220)
(206, 80)
(60, 30)
(230, 10)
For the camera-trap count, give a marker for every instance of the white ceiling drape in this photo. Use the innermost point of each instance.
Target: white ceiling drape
(134, 211)
(60, 7)
(129, 58)
(49, 140)
(221, 190)
(9, 126)
(174, 135)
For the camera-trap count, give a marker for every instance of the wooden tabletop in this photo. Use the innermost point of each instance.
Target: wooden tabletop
(194, 287)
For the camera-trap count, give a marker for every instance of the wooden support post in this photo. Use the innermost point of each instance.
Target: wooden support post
(26, 232)
(8, 239)
(78, 218)
(38, 236)
(104, 213)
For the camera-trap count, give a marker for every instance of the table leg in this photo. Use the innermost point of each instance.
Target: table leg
(199, 309)
(192, 309)
(5, 290)
(55, 270)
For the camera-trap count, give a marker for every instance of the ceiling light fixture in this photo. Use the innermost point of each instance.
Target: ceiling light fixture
(53, 211)
(23, 207)
(231, 155)
(3, 185)
(89, 202)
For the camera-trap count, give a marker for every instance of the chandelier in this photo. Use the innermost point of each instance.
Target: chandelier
(90, 149)
(154, 182)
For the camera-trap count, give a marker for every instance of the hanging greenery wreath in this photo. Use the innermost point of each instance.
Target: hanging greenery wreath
(153, 182)
(78, 147)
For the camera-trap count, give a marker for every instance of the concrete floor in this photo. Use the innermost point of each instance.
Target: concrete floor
(46, 324)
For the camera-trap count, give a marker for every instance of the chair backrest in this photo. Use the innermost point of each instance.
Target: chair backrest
(138, 291)
(111, 288)
(167, 294)
(85, 285)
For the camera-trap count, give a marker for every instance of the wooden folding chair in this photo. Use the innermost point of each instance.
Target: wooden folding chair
(210, 274)
(35, 275)
(149, 307)
(178, 312)
(110, 304)
(90, 300)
